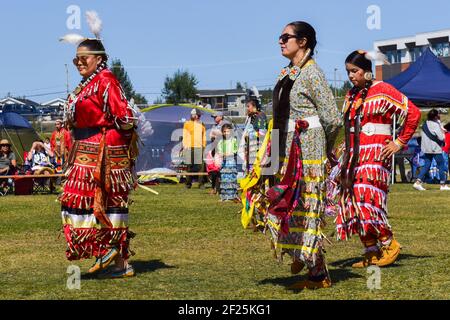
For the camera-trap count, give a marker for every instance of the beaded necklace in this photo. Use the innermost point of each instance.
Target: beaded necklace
(72, 99)
(294, 71)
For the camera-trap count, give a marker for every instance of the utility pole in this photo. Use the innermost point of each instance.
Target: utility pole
(335, 84)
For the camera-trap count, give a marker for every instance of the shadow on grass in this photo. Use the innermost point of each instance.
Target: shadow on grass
(139, 266)
(149, 266)
(348, 262)
(336, 275)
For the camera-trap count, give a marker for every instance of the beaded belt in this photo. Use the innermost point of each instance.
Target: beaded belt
(314, 122)
(369, 129)
(85, 133)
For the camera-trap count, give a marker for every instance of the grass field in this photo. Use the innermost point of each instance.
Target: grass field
(190, 246)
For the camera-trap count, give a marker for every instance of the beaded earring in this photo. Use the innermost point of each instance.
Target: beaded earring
(368, 76)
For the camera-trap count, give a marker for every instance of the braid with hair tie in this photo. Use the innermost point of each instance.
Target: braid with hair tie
(348, 175)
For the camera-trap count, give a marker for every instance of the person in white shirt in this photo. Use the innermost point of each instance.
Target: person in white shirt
(433, 139)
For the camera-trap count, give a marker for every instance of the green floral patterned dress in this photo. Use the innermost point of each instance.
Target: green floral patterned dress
(310, 96)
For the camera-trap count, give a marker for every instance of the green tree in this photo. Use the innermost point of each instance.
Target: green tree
(342, 91)
(158, 100)
(119, 71)
(180, 88)
(346, 87)
(267, 96)
(239, 86)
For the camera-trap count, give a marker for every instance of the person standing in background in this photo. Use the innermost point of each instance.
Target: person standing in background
(194, 143)
(60, 143)
(215, 136)
(446, 147)
(226, 156)
(254, 133)
(433, 140)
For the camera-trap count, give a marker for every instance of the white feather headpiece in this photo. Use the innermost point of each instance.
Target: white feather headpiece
(94, 23)
(377, 56)
(73, 38)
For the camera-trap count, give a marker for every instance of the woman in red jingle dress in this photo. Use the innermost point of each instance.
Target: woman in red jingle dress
(369, 111)
(99, 172)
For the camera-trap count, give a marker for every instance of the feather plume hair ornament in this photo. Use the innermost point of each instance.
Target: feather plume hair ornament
(94, 23)
(73, 38)
(95, 26)
(376, 56)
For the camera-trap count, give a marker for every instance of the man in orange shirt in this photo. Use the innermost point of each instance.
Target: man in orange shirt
(194, 143)
(61, 143)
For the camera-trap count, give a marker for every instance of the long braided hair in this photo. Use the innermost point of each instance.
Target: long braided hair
(348, 172)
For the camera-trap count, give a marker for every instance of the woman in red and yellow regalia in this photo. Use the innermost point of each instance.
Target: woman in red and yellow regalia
(99, 171)
(369, 111)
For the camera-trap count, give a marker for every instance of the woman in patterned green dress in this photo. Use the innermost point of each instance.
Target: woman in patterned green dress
(302, 93)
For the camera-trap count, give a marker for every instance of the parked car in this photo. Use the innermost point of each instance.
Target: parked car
(51, 110)
(28, 112)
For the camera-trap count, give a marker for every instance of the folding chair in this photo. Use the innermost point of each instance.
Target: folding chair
(44, 185)
(40, 185)
(7, 185)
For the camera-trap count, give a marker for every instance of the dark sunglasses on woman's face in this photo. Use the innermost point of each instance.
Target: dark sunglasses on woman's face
(285, 37)
(82, 59)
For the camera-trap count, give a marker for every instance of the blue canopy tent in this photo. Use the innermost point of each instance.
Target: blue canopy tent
(18, 131)
(426, 82)
(167, 123)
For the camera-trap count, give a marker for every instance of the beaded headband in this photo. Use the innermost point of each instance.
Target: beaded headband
(80, 53)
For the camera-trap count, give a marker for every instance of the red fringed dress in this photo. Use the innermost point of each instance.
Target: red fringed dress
(362, 208)
(99, 173)
(61, 143)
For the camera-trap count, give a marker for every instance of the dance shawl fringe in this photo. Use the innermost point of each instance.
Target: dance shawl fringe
(285, 196)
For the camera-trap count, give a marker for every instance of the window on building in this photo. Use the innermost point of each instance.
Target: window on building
(415, 53)
(231, 99)
(393, 56)
(441, 49)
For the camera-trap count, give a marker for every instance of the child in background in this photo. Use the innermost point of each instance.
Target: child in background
(226, 155)
(47, 144)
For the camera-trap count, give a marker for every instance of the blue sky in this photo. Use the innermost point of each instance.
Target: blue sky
(221, 42)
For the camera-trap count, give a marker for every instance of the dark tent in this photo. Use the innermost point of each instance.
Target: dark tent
(426, 81)
(167, 123)
(18, 131)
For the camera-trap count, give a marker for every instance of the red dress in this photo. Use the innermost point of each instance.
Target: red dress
(99, 174)
(446, 147)
(363, 208)
(61, 143)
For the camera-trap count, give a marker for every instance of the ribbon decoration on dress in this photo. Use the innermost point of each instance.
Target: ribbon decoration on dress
(102, 177)
(285, 196)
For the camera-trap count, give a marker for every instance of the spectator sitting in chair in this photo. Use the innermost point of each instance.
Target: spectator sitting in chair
(39, 159)
(7, 158)
(7, 164)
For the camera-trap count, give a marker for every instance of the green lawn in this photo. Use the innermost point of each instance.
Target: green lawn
(190, 246)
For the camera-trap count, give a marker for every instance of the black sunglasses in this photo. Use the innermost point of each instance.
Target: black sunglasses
(83, 60)
(285, 37)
